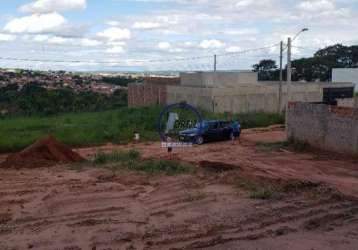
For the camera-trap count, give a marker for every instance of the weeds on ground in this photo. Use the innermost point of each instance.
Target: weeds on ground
(294, 145)
(263, 194)
(102, 158)
(95, 128)
(262, 191)
(272, 146)
(130, 160)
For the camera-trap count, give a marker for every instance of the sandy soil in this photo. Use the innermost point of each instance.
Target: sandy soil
(60, 208)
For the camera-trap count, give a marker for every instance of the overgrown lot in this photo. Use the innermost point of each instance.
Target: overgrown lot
(94, 128)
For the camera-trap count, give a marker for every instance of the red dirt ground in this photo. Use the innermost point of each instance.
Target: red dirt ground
(45, 152)
(339, 171)
(60, 208)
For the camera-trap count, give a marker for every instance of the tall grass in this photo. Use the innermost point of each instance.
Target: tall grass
(116, 126)
(118, 160)
(80, 129)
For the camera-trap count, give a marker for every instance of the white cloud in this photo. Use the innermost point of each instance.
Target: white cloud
(115, 34)
(58, 40)
(316, 5)
(47, 6)
(167, 47)
(7, 37)
(115, 50)
(36, 23)
(113, 23)
(146, 25)
(188, 44)
(237, 32)
(86, 42)
(41, 38)
(233, 49)
(164, 46)
(250, 4)
(116, 43)
(211, 44)
(244, 3)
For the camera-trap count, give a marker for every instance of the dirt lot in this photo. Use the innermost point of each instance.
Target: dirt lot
(62, 208)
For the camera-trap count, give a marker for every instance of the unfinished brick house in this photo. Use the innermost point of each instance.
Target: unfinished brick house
(153, 91)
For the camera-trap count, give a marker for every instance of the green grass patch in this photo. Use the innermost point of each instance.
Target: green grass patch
(80, 129)
(116, 156)
(296, 146)
(130, 160)
(264, 194)
(256, 189)
(95, 128)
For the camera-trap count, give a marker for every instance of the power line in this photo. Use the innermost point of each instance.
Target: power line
(137, 61)
(305, 47)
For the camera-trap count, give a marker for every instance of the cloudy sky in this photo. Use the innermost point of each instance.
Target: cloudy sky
(166, 34)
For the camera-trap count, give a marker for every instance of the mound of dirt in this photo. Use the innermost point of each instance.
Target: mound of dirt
(45, 152)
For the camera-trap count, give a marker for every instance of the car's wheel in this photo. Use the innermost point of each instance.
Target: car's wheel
(199, 140)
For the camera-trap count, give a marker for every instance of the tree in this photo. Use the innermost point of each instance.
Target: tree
(267, 69)
(317, 67)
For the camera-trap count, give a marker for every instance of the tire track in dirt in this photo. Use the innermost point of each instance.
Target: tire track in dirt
(254, 228)
(82, 210)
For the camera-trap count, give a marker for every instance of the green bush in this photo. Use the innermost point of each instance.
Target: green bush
(130, 160)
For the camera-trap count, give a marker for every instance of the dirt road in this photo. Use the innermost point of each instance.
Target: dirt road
(339, 171)
(60, 208)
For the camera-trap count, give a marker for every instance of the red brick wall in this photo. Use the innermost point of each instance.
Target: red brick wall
(141, 95)
(162, 80)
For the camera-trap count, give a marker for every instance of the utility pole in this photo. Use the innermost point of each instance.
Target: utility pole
(215, 63)
(281, 79)
(289, 41)
(289, 69)
(212, 96)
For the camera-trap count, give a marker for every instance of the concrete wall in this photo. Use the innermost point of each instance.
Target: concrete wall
(346, 75)
(196, 96)
(141, 95)
(327, 127)
(218, 79)
(242, 99)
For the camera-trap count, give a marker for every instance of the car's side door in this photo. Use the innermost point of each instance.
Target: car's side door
(212, 133)
(226, 130)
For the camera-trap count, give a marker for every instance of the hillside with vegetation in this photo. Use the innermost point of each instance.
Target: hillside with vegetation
(317, 67)
(32, 99)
